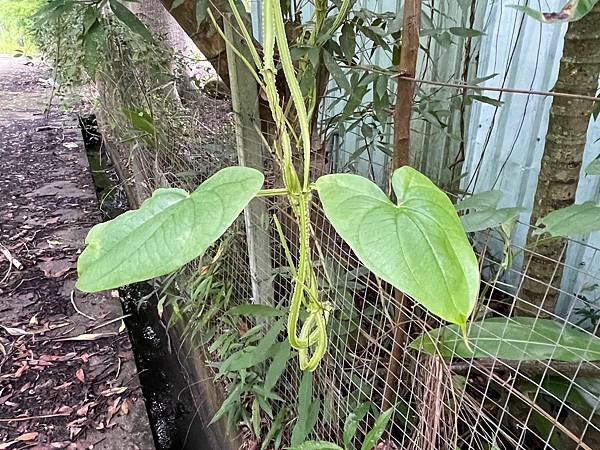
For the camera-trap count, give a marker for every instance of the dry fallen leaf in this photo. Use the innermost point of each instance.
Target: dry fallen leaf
(125, 407)
(64, 409)
(83, 410)
(80, 375)
(16, 331)
(86, 337)
(27, 437)
(113, 391)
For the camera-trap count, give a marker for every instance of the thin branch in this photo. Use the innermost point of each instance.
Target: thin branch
(497, 89)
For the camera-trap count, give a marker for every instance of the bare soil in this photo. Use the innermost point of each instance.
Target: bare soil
(67, 372)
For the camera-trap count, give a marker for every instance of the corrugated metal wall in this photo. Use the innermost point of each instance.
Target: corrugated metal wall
(505, 144)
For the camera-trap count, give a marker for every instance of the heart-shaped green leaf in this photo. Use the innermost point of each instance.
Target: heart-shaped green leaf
(170, 229)
(514, 338)
(419, 245)
(484, 213)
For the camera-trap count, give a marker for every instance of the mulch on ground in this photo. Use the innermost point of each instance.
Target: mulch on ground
(67, 377)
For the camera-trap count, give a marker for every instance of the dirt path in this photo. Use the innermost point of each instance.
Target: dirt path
(67, 376)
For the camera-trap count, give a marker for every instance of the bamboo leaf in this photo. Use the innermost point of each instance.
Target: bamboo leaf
(256, 418)
(338, 74)
(275, 428)
(229, 402)
(374, 435)
(348, 41)
(91, 40)
(141, 120)
(418, 245)
(256, 310)
(485, 99)
(572, 10)
(169, 230)
(516, 338)
(317, 445)
(280, 359)
(251, 356)
(465, 32)
(129, 19)
(352, 421)
(300, 431)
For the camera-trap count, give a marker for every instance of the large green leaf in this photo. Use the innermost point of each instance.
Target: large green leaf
(170, 229)
(516, 338)
(488, 218)
(418, 245)
(572, 221)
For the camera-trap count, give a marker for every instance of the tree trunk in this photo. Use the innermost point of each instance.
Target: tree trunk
(561, 162)
(165, 27)
(204, 35)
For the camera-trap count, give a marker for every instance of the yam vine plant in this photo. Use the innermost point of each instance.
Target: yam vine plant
(417, 244)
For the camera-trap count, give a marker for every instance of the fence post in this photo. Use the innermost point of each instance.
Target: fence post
(411, 24)
(244, 99)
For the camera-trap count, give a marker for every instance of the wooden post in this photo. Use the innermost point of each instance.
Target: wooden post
(411, 24)
(244, 98)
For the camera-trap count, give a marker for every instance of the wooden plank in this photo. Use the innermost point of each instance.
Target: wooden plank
(251, 152)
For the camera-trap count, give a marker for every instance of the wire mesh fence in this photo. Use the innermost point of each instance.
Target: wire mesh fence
(446, 400)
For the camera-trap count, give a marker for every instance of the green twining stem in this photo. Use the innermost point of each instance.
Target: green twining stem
(317, 320)
(293, 85)
(313, 334)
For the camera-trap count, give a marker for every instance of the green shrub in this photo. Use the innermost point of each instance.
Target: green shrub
(14, 25)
